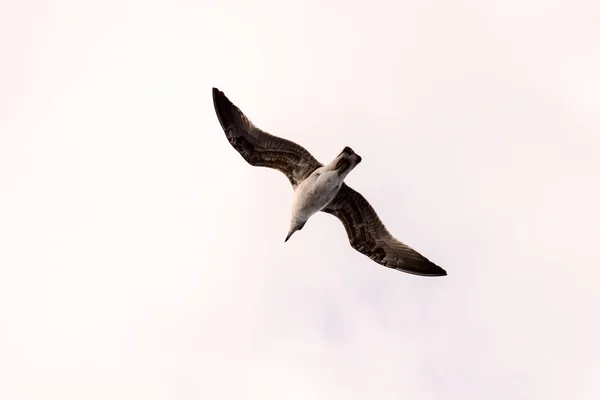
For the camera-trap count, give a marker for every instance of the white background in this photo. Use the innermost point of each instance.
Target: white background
(142, 258)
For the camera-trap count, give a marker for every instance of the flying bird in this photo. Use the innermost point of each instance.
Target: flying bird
(319, 187)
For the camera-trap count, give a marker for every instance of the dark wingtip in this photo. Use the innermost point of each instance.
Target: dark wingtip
(223, 108)
(437, 271)
(430, 270)
(218, 97)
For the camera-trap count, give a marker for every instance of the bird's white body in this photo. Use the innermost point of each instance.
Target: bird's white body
(314, 193)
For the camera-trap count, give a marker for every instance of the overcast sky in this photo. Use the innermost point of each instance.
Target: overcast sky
(142, 258)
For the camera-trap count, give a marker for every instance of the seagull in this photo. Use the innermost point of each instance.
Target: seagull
(319, 187)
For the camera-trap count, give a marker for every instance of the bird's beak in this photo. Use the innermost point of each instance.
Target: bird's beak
(288, 236)
(294, 228)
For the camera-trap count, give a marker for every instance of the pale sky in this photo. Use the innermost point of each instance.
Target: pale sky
(142, 258)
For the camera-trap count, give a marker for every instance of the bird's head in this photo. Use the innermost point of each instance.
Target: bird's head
(295, 225)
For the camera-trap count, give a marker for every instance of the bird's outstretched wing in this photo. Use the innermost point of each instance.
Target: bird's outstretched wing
(368, 235)
(260, 148)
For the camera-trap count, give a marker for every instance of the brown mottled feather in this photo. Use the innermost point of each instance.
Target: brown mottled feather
(260, 148)
(368, 235)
